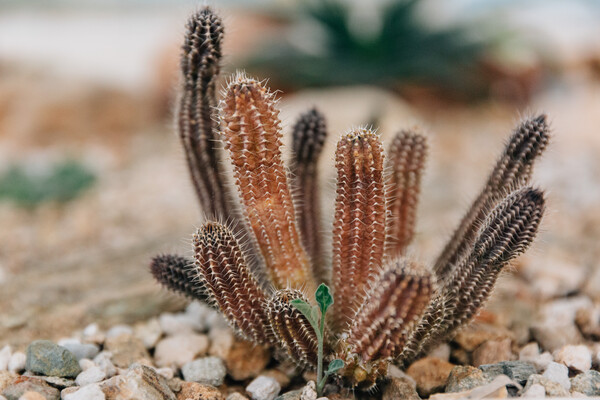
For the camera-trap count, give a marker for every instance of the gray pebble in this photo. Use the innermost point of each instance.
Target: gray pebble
(587, 383)
(518, 371)
(50, 359)
(206, 370)
(263, 388)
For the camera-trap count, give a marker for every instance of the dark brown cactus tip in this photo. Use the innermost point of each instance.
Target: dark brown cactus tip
(290, 329)
(224, 272)
(309, 135)
(201, 50)
(177, 274)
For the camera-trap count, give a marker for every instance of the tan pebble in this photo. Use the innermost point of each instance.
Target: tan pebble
(198, 391)
(279, 376)
(31, 396)
(492, 352)
(246, 360)
(236, 396)
(430, 374)
(474, 335)
(126, 350)
(400, 388)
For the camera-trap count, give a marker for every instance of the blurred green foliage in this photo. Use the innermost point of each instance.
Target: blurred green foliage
(63, 182)
(403, 50)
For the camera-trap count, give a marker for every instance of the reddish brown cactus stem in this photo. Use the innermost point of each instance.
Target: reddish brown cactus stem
(359, 223)
(253, 137)
(308, 138)
(291, 329)
(512, 170)
(196, 114)
(407, 157)
(224, 272)
(397, 301)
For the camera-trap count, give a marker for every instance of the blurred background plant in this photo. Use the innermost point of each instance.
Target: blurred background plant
(59, 183)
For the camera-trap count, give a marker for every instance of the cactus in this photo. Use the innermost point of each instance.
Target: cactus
(387, 308)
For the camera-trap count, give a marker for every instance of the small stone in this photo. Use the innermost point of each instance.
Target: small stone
(93, 334)
(442, 352)
(558, 373)
(576, 357)
(221, 341)
(308, 392)
(430, 374)
(492, 351)
(553, 336)
(236, 396)
(90, 392)
(200, 313)
(47, 358)
(464, 378)
(139, 382)
(400, 388)
(84, 363)
(103, 360)
(495, 389)
(178, 350)
(207, 370)
(518, 371)
(5, 354)
(24, 384)
(536, 391)
(56, 381)
(474, 335)
(531, 354)
(166, 372)
(17, 362)
(6, 378)
(175, 324)
(198, 391)
(126, 350)
(81, 350)
(119, 330)
(263, 388)
(31, 396)
(148, 332)
(552, 388)
(282, 378)
(587, 383)
(246, 360)
(292, 395)
(90, 375)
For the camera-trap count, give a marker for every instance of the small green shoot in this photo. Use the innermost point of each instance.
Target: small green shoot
(316, 317)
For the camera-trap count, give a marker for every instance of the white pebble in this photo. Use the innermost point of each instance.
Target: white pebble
(80, 350)
(90, 375)
(174, 324)
(89, 392)
(119, 330)
(531, 353)
(558, 373)
(309, 392)
(167, 372)
(93, 334)
(207, 370)
(84, 363)
(536, 391)
(5, 354)
(263, 388)
(180, 349)
(103, 360)
(221, 341)
(577, 357)
(149, 332)
(17, 362)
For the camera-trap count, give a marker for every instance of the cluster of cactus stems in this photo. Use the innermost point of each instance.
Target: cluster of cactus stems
(387, 308)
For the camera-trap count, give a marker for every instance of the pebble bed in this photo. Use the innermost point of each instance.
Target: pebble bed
(193, 355)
